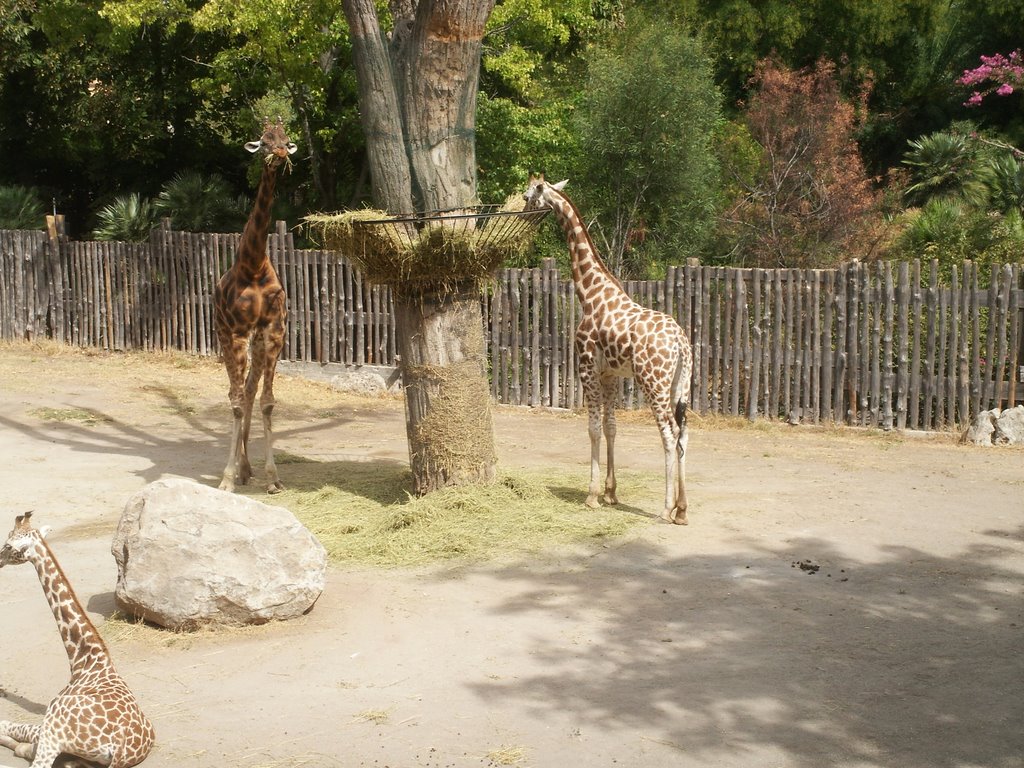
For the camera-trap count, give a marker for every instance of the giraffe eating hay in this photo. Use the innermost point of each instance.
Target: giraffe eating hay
(95, 716)
(249, 315)
(619, 338)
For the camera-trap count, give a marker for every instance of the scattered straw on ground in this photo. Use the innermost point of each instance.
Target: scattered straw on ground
(365, 515)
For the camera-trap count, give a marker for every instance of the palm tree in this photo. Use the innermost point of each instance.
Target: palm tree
(196, 202)
(128, 218)
(944, 164)
(1005, 180)
(20, 208)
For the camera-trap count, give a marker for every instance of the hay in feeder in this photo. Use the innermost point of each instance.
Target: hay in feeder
(426, 253)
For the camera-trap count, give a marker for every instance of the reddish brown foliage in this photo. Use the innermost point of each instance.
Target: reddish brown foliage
(810, 202)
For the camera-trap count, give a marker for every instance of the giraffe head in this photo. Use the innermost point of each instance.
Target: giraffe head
(21, 540)
(538, 192)
(274, 144)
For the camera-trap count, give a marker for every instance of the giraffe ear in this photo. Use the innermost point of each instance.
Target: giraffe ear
(44, 531)
(291, 148)
(252, 146)
(560, 185)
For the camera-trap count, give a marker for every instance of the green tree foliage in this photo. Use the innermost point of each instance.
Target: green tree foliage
(646, 170)
(532, 68)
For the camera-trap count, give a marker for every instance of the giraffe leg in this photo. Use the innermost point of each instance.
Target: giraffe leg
(252, 383)
(594, 430)
(19, 738)
(672, 512)
(680, 452)
(274, 343)
(47, 749)
(592, 397)
(609, 394)
(234, 350)
(274, 484)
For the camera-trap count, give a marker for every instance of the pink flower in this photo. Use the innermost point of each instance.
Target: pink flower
(1004, 90)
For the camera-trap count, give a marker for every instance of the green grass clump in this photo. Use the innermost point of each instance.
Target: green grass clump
(363, 514)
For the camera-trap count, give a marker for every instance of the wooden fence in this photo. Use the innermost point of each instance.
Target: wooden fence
(884, 344)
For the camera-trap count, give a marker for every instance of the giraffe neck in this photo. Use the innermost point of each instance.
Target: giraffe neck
(252, 249)
(85, 648)
(590, 275)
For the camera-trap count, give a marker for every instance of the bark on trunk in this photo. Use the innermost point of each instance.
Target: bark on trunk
(447, 399)
(418, 100)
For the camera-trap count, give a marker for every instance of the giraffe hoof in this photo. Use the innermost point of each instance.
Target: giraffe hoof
(592, 502)
(227, 485)
(680, 519)
(275, 487)
(611, 499)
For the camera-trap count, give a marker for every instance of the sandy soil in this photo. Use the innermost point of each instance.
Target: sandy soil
(706, 645)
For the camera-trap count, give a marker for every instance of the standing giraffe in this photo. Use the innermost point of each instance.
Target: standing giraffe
(95, 716)
(249, 314)
(619, 338)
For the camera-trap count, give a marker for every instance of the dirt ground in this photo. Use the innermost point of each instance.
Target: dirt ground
(839, 598)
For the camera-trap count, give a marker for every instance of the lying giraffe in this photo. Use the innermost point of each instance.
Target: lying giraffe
(96, 716)
(619, 338)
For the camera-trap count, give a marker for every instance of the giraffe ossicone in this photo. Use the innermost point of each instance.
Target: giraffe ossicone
(249, 316)
(617, 337)
(96, 716)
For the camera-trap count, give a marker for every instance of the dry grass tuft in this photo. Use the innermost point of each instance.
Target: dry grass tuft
(506, 755)
(375, 716)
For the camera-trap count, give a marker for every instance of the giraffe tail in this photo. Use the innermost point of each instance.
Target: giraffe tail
(680, 395)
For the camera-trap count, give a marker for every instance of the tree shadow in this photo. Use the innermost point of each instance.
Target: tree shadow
(385, 481)
(97, 432)
(913, 660)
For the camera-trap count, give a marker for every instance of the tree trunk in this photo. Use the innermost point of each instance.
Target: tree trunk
(447, 399)
(418, 101)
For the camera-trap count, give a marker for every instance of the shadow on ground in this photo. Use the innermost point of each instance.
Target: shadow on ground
(914, 660)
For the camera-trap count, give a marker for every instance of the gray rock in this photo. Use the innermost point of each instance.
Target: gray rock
(1009, 427)
(982, 428)
(359, 382)
(189, 555)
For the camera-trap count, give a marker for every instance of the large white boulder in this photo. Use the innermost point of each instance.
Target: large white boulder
(189, 555)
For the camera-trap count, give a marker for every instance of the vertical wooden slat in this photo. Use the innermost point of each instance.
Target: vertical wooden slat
(828, 303)
(999, 364)
(902, 343)
(953, 348)
(886, 363)
(919, 324)
(968, 347)
(1015, 342)
(868, 354)
(756, 333)
(989, 378)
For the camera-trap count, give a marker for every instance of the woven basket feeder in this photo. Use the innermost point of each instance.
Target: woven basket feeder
(433, 252)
